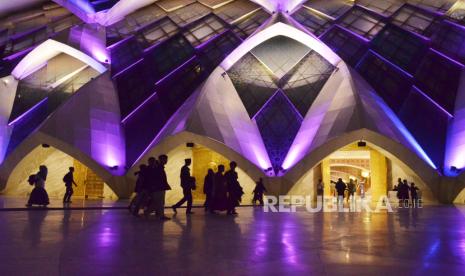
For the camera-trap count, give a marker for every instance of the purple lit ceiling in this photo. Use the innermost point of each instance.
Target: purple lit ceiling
(159, 52)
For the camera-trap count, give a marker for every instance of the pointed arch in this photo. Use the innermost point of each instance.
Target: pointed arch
(388, 147)
(39, 138)
(46, 51)
(280, 29)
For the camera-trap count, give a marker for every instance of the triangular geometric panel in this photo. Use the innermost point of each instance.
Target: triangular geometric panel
(278, 123)
(280, 54)
(303, 84)
(253, 83)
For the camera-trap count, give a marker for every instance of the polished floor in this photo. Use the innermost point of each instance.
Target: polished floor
(428, 241)
(19, 203)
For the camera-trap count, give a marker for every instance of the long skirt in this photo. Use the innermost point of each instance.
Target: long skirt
(219, 202)
(38, 196)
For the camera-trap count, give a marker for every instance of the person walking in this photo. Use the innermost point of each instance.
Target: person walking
(234, 189)
(258, 192)
(141, 194)
(187, 184)
(414, 195)
(340, 189)
(38, 195)
(219, 192)
(351, 188)
(69, 182)
(208, 187)
(158, 186)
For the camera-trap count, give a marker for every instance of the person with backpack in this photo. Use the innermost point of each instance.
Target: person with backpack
(69, 181)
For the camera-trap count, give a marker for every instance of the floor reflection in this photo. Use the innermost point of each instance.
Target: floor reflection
(74, 242)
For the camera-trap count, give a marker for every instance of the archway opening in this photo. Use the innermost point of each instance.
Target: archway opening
(373, 170)
(203, 158)
(89, 185)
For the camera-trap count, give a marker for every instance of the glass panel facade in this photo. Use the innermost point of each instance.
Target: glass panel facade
(236, 10)
(278, 123)
(314, 22)
(384, 7)
(203, 30)
(414, 20)
(400, 47)
(362, 22)
(244, 28)
(332, 8)
(253, 83)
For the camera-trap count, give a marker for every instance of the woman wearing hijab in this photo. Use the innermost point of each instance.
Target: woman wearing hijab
(38, 195)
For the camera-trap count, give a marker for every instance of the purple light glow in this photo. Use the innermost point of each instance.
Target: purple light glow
(400, 126)
(279, 5)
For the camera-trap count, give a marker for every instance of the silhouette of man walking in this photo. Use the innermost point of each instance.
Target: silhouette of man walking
(187, 184)
(69, 181)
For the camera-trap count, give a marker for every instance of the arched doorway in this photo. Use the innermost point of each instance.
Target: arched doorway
(369, 166)
(90, 185)
(203, 158)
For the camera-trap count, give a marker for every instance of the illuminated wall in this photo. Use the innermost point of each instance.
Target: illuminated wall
(58, 164)
(202, 159)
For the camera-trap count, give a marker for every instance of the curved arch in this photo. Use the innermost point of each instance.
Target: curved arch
(385, 145)
(174, 147)
(280, 29)
(180, 138)
(39, 138)
(47, 50)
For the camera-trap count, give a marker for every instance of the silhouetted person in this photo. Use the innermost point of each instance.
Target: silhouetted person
(208, 188)
(340, 189)
(235, 191)
(414, 194)
(395, 188)
(136, 202)
(219, 192)
(187, 184)
(351, 188)
(69, 181)
(158, 187)
(403, 192)
(38, 195)
(258, 192)
(319, 188)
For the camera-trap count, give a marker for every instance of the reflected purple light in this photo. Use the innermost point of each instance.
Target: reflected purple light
(432, 101)
(19, 118)
(400, 126)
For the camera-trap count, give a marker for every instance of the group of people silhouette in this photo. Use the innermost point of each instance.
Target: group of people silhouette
(406, 192)
(222, 190)
(39, 195)
(343, 190)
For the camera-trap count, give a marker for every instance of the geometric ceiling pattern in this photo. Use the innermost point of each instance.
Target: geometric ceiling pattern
(398, 46)
(158, 52)
(277, 81)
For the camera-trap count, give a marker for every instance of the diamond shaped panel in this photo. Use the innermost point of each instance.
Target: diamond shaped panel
(278, 123)
(302, 84)
(253, 83)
